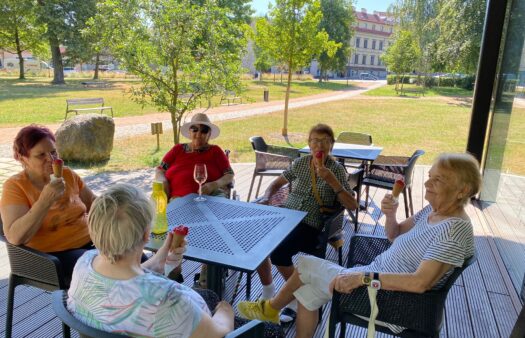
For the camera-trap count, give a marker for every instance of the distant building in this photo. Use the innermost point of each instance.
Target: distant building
(372, 36)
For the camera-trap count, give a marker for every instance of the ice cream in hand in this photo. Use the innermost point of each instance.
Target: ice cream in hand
(58, 165)
(179, 233)
(319, 157)
(397, 188)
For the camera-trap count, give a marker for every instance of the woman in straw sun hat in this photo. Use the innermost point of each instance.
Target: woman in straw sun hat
(176, 168)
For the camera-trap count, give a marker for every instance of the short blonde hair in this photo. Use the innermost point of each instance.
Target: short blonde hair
(466, 169)
(118, 219)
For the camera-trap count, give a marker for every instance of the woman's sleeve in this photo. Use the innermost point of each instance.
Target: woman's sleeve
(169, 158)
(451, 245)
(223, 163)
(342, 177)
(291, 173)
(13, 194)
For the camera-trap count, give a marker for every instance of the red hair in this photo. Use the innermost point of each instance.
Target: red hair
(28, 137)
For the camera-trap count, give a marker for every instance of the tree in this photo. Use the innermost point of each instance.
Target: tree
(403, 55)
(338, 17)
(64, 19)
(177, 48)
(292, 37)
(19, 30)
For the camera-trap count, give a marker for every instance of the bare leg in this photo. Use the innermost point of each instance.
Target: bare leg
(286, 271)
(265, 272)
(285, 295)
(306, 322)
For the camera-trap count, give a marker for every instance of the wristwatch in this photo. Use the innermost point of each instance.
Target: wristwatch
(375, 283)
(366, 279)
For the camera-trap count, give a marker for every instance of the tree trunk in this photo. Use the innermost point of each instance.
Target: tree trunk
(58, 70)
(97, 60)
(286, 99)
(21, 75)
(402, 82)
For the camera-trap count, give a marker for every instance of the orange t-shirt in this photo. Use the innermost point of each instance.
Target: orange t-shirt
(65, 225)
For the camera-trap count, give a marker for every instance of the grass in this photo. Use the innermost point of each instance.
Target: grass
(36, 100)
(389, 90)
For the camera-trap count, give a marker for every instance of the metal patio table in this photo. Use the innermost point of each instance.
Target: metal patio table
(352, 151)
(226, 233)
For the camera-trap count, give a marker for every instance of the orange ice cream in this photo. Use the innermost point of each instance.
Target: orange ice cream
(398, 187)
(179, 233)
(58, 165)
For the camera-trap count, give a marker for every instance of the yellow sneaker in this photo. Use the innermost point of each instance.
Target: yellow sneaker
(256, 310)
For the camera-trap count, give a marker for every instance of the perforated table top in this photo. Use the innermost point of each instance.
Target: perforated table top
(352, 151)
(229, 233)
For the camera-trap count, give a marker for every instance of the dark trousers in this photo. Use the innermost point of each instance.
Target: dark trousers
(304, 238)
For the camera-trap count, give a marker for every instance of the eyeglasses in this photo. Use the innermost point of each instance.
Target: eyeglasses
(321, 141)
(203, 129)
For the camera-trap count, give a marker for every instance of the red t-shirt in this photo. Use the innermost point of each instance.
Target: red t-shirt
(179, 168)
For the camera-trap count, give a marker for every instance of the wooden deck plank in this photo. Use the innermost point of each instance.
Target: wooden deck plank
(505, 319)
(457, 315)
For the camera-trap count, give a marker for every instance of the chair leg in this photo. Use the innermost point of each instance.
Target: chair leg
(342, 330)
(340, 256)
(258, 186)
(406, 202)
(251, 186)
(366, 196)
(10, 306)
(248, 285)
(411, 203)
(66, 331)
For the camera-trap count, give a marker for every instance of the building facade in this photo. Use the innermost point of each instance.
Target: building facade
(372, 36)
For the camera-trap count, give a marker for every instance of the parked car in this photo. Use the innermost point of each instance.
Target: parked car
(367, 76)
(69, 70)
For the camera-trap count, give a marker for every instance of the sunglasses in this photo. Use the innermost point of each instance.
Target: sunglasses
(203, 129)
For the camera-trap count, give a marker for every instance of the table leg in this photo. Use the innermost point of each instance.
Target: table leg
(248, 285)
(215, 279)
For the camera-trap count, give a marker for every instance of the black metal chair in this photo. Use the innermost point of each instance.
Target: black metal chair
(253, 329)
(420, 314)
(385, 170)
(34, 268)
(270, 160)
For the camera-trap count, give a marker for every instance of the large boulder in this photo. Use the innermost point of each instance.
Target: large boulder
(86, 138)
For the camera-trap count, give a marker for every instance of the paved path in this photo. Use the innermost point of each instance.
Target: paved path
(134, 125)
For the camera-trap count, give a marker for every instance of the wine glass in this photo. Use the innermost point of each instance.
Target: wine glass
(200, 175)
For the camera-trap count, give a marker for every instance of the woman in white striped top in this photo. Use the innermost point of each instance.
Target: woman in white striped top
(425, 249)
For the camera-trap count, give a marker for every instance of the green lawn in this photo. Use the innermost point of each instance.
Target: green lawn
(36, 100)
(389, 90)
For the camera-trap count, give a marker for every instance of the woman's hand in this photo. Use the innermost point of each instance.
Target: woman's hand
(389, 205)
(53, 191)
(157, 262)
(346, 282)
(209, 187)
(174, 258)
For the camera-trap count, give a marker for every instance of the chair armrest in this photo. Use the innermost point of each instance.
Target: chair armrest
(36, 265)
(391, 161)
(290, 152)
(364, 249)
(268, 161)
(406, 309)
(252, 329)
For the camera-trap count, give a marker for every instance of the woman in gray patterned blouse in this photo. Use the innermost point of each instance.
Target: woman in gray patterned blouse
(329, 180)
(425, 249)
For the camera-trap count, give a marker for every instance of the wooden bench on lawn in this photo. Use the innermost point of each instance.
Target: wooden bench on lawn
(415, 90)
(96, 84)
(230, 97)
(72, 103)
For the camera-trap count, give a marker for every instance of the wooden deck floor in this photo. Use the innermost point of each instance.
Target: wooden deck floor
(483, 303)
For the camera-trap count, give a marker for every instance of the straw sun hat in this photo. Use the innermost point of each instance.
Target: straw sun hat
(199, 118)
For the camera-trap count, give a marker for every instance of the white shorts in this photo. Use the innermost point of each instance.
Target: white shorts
(316, 275)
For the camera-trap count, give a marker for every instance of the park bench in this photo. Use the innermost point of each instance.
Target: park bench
(71, 103)
(96, 84)
(414, 90)
(230, 98)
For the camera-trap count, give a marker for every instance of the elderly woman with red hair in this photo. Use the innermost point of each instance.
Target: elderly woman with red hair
(45, 214)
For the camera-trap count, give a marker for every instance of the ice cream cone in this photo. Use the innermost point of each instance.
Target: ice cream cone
(179, 233)
(319, 157)
(58, 166)
(399, 185)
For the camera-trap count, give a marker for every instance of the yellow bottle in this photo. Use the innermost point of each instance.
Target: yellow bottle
(160, 200)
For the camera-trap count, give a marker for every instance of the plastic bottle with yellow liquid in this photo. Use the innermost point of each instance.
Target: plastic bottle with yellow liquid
(160, 200)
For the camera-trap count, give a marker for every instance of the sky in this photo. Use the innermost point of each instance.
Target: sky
(261, 6)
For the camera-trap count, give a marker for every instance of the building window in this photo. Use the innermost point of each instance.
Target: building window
(380, 45)
(379, 62)
(357, 42)
(365, 43)
(373, 44)
(381, 28)
(363, 61)
(373, 27)
(356, 59)
(372, 60)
